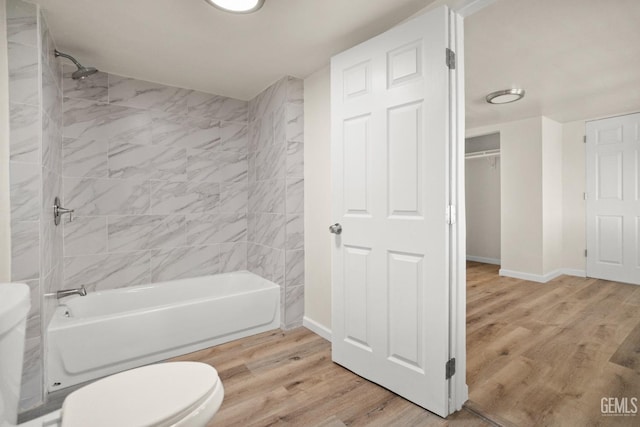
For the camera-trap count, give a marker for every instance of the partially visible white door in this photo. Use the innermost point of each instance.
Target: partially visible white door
(613, 199)
(390, 104)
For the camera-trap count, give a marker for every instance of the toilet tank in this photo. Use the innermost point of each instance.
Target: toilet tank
(14, 307)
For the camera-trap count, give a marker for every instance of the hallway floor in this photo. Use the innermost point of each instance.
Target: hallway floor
(546, 354)
(537, 355)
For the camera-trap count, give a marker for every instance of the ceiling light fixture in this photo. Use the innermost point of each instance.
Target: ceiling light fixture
(505, 96)
(237, 6)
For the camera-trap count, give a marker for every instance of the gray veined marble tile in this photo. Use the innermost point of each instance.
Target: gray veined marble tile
(32, 376)
(85, 157)
(25, 250)
(51, 145)
(169, 197)
(253, 130)
(295, 232)
(266, 133)
(234, 137)
(181, 263)
(181, 131)
(231, 227)
(216, 166)
(295, 90)
(252, 171)
(295, 159)
(24, 137)
(107, 271)
(129, 161)
(93, 88)
(89, 119)
(293, 307)
(271, 162)
(142, 94)
(266, 262)
(25, 186)
(50, 284)
(202, 229)
(22, 26)
(90, 196)
(234, 197)
(268, 229)
(279, 125)
(51, 187)
(294, 117)
(168, 163)
(23, 74)
(217, 107)
(295, 195)
(130, 233)
(233, 257)
(47, 242)
(47, 44)
(269, 99)
(267, 196)
(51, 97)
(206, 229)
(294, 268)
(85, 235)
(33, 317)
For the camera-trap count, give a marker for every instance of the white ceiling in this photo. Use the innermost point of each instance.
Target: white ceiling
(576, 59)
(188, 43)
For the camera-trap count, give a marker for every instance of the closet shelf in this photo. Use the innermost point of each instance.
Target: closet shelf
(481, 154)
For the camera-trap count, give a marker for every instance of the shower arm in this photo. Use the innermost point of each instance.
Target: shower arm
(64, 55)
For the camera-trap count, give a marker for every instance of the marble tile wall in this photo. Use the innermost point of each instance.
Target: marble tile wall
(158, 178)
(35, 134)
(276, 193)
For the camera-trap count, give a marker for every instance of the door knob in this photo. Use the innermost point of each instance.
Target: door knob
(335, 228)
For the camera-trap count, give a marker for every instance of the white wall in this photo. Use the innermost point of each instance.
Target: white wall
(482, 180)
(5, 211)
(317, 202)
(551, 196)
(573, 204)
(521, 193)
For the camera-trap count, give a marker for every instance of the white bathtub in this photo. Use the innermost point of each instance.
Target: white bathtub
(108, 331)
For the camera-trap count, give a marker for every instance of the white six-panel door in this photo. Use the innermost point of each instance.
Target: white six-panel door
(613, 198)
(390, 155)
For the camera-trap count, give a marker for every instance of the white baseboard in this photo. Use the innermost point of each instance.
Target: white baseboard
(495, 261)
(317, 328)
(542, 278)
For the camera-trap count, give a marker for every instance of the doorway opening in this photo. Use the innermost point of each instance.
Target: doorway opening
(482, 182)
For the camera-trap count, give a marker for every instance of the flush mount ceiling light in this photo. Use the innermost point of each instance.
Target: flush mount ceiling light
(505, 96)
(237, 6)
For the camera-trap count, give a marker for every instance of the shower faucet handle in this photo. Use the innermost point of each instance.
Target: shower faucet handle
(58, 211)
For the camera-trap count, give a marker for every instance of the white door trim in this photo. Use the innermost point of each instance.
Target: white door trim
(459, 391)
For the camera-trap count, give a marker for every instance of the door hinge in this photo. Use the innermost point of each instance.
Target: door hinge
(451, 59)
(584, 139)
(585, 253)
(450, 368)
(451, 214)
(584, 196)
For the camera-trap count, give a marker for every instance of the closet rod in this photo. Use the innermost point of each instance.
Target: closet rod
(481, 154)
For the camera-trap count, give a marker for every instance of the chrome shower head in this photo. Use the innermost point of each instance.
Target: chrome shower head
(82, 72)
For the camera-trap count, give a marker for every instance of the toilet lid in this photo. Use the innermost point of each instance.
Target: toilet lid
(155, 395)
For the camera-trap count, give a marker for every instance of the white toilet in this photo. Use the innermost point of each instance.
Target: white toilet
(179, 394)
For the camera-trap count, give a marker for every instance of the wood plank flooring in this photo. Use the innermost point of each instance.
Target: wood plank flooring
(545, 354)
(537, 355)
(287, 379)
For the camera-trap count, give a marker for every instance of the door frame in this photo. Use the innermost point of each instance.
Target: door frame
(458, 389)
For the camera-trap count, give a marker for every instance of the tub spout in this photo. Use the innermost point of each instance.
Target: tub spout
(66, 292)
